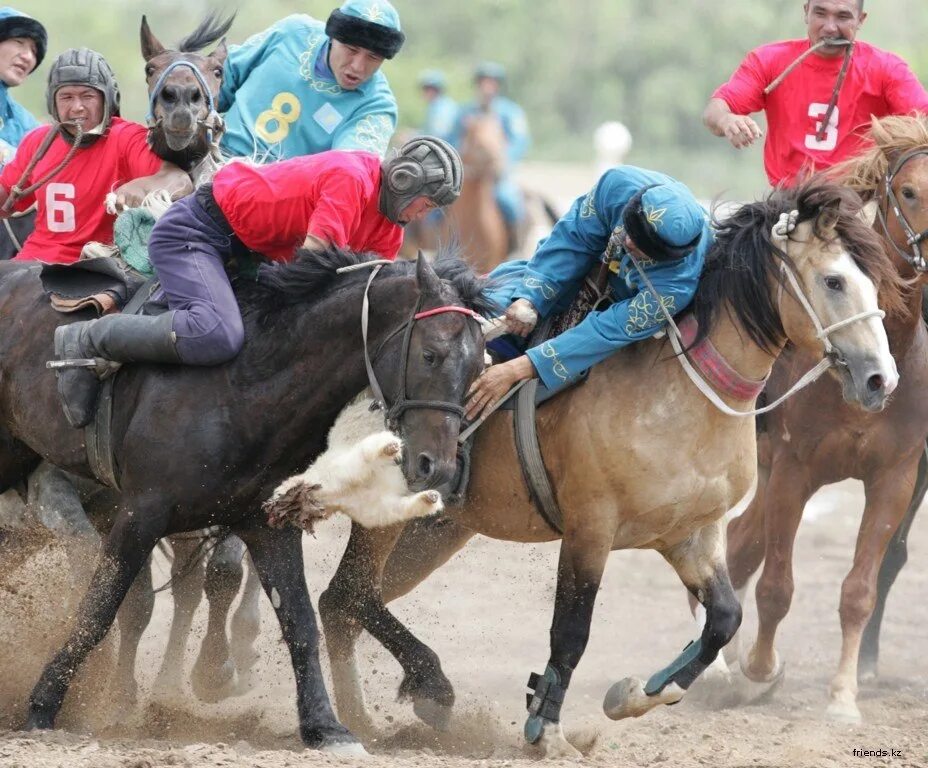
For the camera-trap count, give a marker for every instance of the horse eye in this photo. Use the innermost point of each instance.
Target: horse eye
(218, 73)
(834, 283)
(149, 71)
(429, 357)
(908, 193)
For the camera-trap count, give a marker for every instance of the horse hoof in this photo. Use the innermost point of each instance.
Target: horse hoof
(773, 676)
(867, 673)
(627, 698)
(39, 721)
(745, 690)
(433, 714)
(345, 749)
(843, 709)
(553, 744)
(214, 685)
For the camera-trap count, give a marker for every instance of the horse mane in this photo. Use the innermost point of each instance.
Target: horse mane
(209, 31)
(892, 136)
(313, 275)
(744, 261)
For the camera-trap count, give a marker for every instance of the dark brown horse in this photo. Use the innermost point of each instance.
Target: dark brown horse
(198, 447)
(816, 438)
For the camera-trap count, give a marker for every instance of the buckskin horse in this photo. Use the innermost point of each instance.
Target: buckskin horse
(817, 439)
(196, 447)
(638, 458)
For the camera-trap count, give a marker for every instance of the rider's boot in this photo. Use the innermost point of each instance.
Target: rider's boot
(117, 338)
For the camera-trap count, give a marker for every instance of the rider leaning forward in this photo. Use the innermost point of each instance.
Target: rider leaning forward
(345, 199)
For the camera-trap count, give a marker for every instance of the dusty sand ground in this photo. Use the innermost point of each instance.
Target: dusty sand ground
(487, 615)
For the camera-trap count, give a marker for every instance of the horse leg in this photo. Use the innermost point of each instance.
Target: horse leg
(788, 490)
(887, 501)
(187, 569)
(244, 629)
(278, 557)
(700, 563)
(354, 601)
(584, 551)
(55, 502)
(133, 617)
(893, 561)
(125, 551)
(214, 670)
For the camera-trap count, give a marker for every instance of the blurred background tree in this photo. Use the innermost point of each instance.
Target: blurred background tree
(651, 64)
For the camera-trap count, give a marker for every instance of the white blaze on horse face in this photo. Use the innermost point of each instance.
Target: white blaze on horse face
(838, 290)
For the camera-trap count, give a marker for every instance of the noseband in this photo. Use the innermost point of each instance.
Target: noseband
(212, 121)
(913, 238)
(393, 414)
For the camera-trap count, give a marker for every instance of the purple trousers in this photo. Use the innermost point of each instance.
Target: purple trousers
(188, 249)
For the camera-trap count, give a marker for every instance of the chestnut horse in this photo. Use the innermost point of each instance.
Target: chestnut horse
(639, 458)
(817, 438)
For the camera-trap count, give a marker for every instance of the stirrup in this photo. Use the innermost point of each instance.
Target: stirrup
(102, 368)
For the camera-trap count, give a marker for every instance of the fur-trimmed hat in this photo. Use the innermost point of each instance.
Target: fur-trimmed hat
(664, 221)
(370, 24)
(15, 23)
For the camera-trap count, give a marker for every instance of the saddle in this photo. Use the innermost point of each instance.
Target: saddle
(104, 284)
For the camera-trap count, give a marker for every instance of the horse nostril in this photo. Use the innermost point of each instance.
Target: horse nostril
(424, 466)
(875, 383)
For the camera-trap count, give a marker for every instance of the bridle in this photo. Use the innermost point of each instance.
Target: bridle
(913, 238)
(393, 413)
(212, 122)
(831, 357)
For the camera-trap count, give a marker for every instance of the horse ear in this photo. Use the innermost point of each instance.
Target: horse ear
(426, 277)
(828, 219)
(867, 214)
(219, 53)
(151, 46)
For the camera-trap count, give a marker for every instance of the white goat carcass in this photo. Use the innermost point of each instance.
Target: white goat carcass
(358, 475)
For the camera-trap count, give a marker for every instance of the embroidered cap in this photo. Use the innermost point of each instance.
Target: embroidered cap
(664, 221)
(432, 78)
(491, 70)
(15, 23)
(370, 24)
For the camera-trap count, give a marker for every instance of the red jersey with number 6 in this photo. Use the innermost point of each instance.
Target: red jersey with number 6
(877, 83)
(70, 210)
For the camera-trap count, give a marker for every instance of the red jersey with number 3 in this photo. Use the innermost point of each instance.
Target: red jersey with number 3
(70, 210)
(334, 196)
(877, 83)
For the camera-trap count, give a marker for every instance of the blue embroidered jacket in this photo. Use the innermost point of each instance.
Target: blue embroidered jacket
(554, 275)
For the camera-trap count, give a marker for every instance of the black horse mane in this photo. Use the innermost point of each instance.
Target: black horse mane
(209, 31)
(743, 261)
(313, 275)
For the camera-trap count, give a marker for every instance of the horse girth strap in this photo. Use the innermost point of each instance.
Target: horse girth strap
(98, 435)
(528, 448)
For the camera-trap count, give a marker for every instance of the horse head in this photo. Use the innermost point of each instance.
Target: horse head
(183, 89)
(832, 306)
(483, 147)
(430, 364)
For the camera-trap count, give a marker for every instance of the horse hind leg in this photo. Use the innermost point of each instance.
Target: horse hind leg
(214, 670)
(245, 628)
(583, 555)
(186, 582)
(893, 562)
(133, 617)
(700, 563)
(125, 551)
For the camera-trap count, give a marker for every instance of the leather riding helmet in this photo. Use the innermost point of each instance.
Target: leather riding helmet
(423, 167)
(82, 66)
